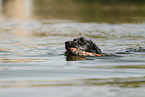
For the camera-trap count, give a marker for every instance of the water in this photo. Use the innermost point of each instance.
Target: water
(32, 63)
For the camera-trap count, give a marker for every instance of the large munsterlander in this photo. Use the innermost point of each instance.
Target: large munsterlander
(81, 49)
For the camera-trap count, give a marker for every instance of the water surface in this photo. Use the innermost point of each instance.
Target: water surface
(32, 61)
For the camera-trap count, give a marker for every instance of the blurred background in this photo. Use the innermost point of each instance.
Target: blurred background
(111, 11)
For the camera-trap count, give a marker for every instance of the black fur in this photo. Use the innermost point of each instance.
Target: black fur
(83, 44)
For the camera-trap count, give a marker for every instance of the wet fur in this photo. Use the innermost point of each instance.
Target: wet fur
(83, 44)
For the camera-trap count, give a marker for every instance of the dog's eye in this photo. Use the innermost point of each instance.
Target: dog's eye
(80, 42)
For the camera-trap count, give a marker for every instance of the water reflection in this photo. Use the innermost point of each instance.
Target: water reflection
(91, 10)
(75, 58)
(19, 9)
(17, 60)
(0, 6)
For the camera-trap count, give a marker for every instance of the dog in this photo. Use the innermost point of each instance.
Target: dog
(82, 47)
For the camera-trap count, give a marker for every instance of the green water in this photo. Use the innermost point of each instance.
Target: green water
(32, 36)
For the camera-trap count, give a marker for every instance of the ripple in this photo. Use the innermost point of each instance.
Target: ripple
(121, 82)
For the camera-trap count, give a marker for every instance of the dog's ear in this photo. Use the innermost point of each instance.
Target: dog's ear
(88, 48)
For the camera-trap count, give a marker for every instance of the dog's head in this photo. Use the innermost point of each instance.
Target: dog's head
(83, 44)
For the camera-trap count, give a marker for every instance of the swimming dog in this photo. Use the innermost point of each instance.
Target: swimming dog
(82, 47)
